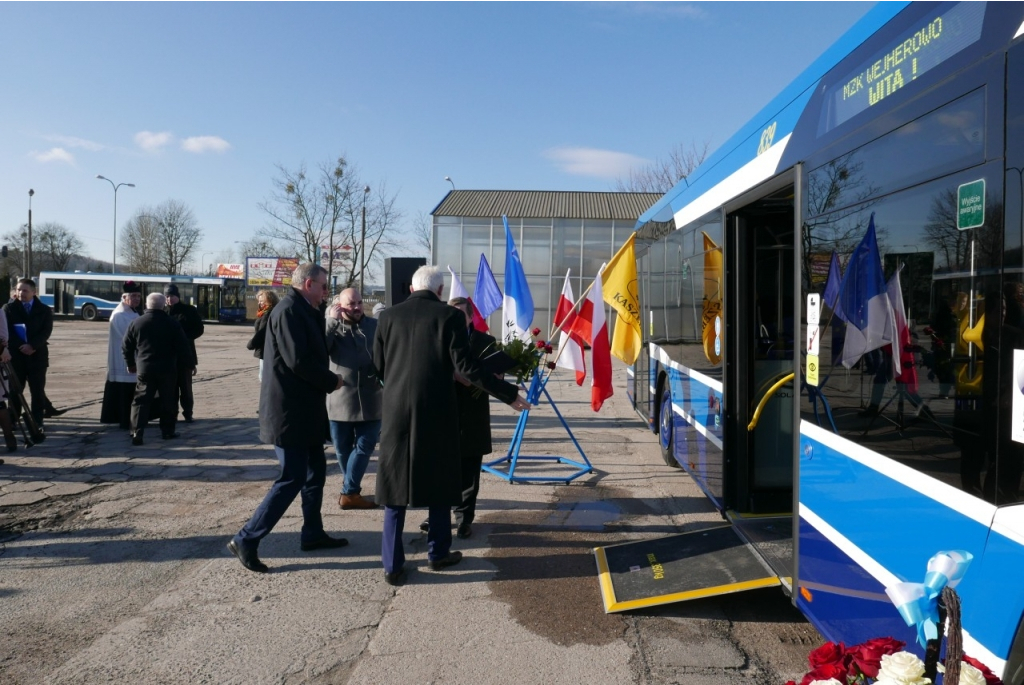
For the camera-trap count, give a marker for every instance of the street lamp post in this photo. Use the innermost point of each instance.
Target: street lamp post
(202, 260)
(362, 246)
(449, 179)
(28, 247)
(113, 263)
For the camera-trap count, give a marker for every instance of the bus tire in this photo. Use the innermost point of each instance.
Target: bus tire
(666, 425)
(89, 312)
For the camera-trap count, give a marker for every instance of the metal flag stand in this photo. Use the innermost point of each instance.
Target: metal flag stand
(537, 386)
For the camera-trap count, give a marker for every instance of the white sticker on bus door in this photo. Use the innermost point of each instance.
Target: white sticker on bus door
(813, 309)
(813, 339)
(1017, 420)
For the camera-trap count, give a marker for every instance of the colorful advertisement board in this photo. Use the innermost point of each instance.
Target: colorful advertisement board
(230, 271)
(270, 272)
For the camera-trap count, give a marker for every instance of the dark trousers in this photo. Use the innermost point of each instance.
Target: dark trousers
(33, 378)
(303, 471)
(439, 537)
(145, 389)
(466, 512)
(184, 392)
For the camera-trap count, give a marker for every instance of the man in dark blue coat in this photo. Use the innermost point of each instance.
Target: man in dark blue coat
(154, 347)
(30, 324)
(420, 345)
(293, 416)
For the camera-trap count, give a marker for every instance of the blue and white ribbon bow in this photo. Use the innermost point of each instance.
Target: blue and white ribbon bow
(918, 602)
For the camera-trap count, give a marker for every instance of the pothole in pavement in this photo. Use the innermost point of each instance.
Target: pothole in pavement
(546, 571)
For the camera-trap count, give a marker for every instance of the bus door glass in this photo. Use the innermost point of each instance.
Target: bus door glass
(765, 355)
(203, 301)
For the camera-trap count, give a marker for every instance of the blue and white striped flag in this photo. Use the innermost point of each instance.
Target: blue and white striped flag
(517, 306)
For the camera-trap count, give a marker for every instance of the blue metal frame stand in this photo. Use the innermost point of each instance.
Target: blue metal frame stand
(537, 386)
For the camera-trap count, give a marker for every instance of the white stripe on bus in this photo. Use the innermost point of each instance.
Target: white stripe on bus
(662, 356)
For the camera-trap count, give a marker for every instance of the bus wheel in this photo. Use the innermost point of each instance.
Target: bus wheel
(89, 312)
(666, 427)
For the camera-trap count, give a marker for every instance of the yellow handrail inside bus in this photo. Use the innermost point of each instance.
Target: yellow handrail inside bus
(764, 400)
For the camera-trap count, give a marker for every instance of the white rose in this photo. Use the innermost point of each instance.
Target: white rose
(830, 681)
(969, 675)
(901, 668)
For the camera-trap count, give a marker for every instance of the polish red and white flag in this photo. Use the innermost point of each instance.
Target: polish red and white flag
(459, 290)
(590, 325)
(570, 355)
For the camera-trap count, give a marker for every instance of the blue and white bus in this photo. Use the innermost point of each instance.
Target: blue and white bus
(93, 296)
(845, 478)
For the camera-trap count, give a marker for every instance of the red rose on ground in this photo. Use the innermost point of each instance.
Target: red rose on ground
(551, 365)
(824, 672)
(990, 677)
(866, 658)
(828, 653)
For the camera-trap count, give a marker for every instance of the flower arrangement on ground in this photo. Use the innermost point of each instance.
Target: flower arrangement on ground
(881, 661)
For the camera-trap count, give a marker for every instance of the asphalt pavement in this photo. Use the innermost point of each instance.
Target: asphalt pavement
(113, 566)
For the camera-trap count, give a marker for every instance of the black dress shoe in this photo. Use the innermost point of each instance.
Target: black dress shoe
(170, 436)
(189, 419)
(425, 526)
(250, 561)
(444, 562)
(396, 578)
(137, 440)
(464, 531)
(50, 412)
(326, 542)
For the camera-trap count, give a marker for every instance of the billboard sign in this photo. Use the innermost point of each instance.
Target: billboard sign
(272, 272)
(230, 271)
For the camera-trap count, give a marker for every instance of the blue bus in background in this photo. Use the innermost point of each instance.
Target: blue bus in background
(842, 473)
(94, 296)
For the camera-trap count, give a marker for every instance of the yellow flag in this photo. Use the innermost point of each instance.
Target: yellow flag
(620, 291)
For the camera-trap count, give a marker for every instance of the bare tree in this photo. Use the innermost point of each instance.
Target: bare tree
(321, 215)
(662, 174)
(160, 239)
(261, 247)
(56, 246)
(422, 231)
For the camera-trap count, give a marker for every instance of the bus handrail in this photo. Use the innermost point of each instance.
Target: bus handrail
(764, 399)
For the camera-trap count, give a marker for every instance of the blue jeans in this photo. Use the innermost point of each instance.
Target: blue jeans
(303, 472)
(354, 442)
(439, 537)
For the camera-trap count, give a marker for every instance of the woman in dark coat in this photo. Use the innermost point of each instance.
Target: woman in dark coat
(265, 301)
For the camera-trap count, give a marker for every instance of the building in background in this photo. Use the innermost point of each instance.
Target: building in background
(553, 230)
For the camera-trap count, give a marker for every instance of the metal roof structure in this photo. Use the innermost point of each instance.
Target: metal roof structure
(545, 204)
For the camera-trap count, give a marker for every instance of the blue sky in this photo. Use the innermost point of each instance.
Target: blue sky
(199, 101)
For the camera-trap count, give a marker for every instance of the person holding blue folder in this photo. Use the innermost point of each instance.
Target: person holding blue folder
(30, 324)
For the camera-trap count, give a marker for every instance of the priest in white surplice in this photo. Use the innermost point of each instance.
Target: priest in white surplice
(120, 387)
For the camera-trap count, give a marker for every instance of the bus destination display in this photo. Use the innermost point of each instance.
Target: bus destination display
(927, 44)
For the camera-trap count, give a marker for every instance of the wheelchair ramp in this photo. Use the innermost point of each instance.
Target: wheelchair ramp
(677, 568)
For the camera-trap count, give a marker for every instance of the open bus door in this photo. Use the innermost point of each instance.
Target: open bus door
(756, 549)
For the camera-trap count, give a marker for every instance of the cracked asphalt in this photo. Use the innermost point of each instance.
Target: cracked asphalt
(113, 565)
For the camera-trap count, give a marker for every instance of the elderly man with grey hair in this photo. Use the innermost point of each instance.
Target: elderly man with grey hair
(154, 348)
(420, 345)
(293, 417)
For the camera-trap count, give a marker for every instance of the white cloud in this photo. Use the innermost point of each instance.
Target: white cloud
(200, 144)
(72, 141)
(586, 161)
(152, 142)
(56, 154)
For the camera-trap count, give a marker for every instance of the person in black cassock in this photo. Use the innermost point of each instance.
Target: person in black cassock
(192, 324)
(120, 387)
(155, 347)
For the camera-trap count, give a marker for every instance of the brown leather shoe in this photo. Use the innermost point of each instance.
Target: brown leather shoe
(356, 501)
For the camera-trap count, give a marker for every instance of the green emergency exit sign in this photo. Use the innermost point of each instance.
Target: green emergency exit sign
(970, 205)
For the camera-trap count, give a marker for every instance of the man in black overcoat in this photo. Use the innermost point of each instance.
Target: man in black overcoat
(30, 325)
(155, 347)
(419, 346)
(192, 323)
(293, 416)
